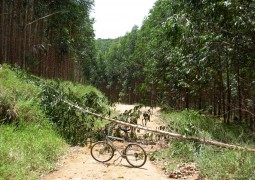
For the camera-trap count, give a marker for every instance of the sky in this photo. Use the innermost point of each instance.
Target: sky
(114, 18)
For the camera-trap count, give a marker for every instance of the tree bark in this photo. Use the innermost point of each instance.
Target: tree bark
(222, 90)
(228, 95)
(239, 93)
(23, 64)
(2, 30)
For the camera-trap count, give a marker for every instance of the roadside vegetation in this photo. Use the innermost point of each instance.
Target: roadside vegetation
(212, 162)
(187, 55)
(36, 127)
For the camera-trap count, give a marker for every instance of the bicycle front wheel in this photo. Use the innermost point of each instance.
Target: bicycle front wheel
(135, 155)
(102, 151)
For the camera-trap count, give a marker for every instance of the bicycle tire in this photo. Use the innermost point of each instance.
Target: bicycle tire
(101, 151)
(135, 155)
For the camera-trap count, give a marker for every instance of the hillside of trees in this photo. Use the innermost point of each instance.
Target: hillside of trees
(53, 39)
(187, 55)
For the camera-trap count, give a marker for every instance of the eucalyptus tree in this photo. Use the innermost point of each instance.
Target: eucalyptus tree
(191, 54)
(52, 38)
(227, 35)
(115, 57)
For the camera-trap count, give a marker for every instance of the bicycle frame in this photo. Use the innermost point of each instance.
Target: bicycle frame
(108, 139)
(132, 152)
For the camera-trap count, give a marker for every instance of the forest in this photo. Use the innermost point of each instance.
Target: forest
(187, 55)
(193, 59)
(53, 39)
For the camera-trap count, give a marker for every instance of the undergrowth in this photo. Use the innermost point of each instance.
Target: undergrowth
(36, 125)
(28, 151)
(212, 162)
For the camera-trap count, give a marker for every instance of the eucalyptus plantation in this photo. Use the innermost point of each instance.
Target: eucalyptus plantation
(53, 39)
(187, 55)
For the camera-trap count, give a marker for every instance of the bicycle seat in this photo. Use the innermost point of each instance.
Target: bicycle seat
(125, 129)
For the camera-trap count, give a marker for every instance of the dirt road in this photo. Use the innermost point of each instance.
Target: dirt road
(80, 165)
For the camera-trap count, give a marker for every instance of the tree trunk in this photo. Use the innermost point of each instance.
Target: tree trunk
(23, 64)
(223, 98)
(215, 99)
(200, 99)
(175, 135)
(187, 98)
(2, 30)
(228, 95)
(239, 93)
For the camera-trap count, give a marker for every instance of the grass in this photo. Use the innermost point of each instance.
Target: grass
(213, 162)
(28, 151)
(30, 142)
(226, 164)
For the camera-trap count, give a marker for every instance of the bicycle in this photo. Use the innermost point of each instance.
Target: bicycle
(103, 151)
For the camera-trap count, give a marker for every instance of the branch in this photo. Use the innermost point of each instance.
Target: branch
(4, 14)
(45, 17)
(175, 135)
(235, 109)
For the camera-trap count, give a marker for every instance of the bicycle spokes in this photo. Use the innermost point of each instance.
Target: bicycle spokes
(102, 152)
(135, 155)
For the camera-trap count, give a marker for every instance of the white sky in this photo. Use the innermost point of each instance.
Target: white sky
(114, 18)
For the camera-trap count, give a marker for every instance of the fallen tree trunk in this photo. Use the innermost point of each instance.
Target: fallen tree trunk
(175, 135)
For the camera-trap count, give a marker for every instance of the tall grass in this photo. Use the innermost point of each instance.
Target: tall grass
(218, 163)
(213, 162)
(29, 144)
(28, 151)
(35, 125)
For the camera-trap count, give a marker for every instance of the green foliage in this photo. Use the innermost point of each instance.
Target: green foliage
(53, 98)
(186, 55)
(213, 162)
(114, 67)
(72, 124)
(193, 123)
(29, 145)
(35, 120)
(57, 37)
(29, 150)
(71, 30)
(130, 116)
(103, 45)
(17, 97)
(226, 164)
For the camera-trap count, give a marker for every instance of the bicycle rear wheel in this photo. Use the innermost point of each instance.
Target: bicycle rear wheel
(102, 151)
(135, 155)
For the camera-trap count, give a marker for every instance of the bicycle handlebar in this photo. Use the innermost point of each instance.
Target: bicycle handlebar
(125, 129)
